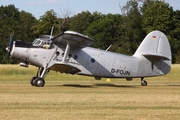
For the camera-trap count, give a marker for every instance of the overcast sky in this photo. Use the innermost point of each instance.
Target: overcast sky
(39, 7)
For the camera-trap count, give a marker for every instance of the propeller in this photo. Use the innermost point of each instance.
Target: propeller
(10, 44)
(11, 41)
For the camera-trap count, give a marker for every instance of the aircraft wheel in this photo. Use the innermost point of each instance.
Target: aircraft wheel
(32, 81)
(143, 83)
(39, 82)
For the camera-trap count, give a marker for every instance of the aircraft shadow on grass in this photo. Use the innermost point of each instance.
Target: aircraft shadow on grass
(94, 85)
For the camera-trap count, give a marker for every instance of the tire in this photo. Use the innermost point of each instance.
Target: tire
(39, 82)
(32, 81)
(144, 83)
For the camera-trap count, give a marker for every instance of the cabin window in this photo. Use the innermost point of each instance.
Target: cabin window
(70, 55)
(62, 54)
(92, 60)
(57, 53)
(75, 57)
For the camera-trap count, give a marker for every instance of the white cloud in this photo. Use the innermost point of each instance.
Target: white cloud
(53, 1)
(43, 2)
(38, 2)
(30, 3)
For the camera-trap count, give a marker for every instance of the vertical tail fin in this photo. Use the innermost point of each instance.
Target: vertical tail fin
(156, 49)
(155, 44)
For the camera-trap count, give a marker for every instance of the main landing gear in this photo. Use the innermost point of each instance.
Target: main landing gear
(143, 82)
(38, 80)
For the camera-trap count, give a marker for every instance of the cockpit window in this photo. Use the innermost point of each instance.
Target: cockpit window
(37, 42)
(42, 43)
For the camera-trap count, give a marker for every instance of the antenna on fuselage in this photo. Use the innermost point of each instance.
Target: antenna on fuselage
(51, 32)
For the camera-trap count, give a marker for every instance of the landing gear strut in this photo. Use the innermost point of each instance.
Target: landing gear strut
(143, 82)
(38, 80)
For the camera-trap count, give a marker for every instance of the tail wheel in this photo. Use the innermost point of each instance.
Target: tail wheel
(143, 83)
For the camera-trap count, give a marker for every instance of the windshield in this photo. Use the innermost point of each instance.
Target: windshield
(42, 43)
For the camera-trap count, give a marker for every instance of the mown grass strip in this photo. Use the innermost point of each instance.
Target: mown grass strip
(78, 97)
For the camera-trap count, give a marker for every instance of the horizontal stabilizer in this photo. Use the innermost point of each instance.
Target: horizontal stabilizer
(64, 68)
(156, 56)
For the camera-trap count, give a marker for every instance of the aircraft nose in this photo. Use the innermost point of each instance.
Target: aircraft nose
(20, 51)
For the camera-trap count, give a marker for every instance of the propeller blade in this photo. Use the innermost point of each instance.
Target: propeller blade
(10, 42)
(10, 45)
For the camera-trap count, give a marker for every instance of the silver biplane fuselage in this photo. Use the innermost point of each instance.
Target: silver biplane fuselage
(69, 53)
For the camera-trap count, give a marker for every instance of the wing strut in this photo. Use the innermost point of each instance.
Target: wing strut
(66, 53)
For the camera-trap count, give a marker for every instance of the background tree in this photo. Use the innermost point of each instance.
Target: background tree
(105, 30)
(64, 19)
(174, 36)
(83, 20)
(9, 22)
(27, 20)
(131, 28)
(159, 19)
(45, 23)
(13, 21)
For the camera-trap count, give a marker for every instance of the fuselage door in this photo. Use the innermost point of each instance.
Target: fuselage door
(92, 63)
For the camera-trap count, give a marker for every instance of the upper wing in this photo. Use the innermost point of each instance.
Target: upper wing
(72, 38)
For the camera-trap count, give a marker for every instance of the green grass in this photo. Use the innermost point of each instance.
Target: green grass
(71, 97)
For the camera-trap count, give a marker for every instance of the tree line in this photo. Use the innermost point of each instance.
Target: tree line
(124, 31)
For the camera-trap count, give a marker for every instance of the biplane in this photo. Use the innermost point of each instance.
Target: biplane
(70, 53)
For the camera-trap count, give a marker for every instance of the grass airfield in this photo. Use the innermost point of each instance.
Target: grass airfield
(71, 97)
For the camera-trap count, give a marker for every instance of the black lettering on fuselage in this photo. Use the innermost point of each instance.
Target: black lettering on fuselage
(121, 72)
(113, 70)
